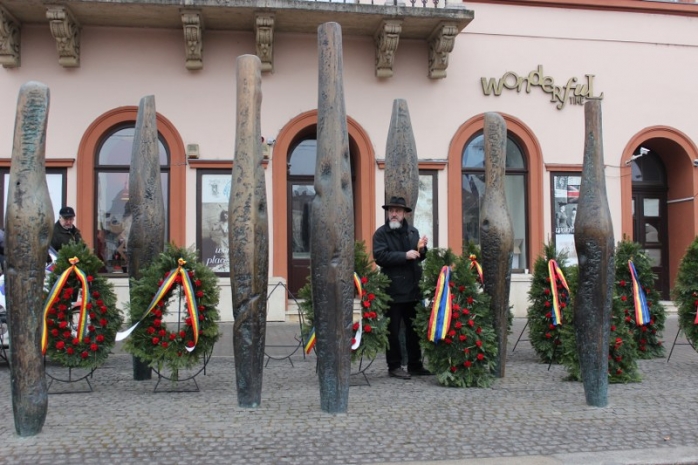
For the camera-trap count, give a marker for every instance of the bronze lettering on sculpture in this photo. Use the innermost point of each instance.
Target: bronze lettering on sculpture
(497, 233)
(401, 165)
(332, 217)
(248, 236)
(146, 238)
(593, 239)
(28, 228)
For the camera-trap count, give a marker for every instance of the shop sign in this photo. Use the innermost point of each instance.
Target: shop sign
(573, 92)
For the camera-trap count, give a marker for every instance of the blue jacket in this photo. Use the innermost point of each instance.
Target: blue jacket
(389, 248)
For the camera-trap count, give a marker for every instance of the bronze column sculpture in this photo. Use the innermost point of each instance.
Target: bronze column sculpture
(401, 165)
(497, 233)
(248, 236)
(28, 229)
(593, 239)
(146, 238)
(332, 218)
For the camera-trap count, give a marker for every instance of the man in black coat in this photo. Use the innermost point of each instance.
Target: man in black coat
(64, 230)
(398, 250)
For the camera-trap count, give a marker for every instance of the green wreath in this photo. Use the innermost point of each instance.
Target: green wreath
(167, 286)
(63, 341)
(374, 304)
(685, 293)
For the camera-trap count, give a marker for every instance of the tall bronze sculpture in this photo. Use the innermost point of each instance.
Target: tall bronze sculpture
(593, 239)
(401, 164)
(332, 226)
(28, 228)
(248, 236)
(146, 238)
(497, 233)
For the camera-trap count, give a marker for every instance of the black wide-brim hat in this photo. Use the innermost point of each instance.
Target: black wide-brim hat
(398, 202)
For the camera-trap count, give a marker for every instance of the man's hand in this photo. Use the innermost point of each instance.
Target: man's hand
(412, 254)
(422, 242)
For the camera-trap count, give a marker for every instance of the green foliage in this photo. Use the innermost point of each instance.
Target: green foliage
(62, 317)
(374, 305)
(622, 354)
(152, 341)
(545, 336)
(467, 356)
(685, 293)
(646, 336)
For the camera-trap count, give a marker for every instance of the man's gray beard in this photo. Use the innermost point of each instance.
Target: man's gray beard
(395, 224)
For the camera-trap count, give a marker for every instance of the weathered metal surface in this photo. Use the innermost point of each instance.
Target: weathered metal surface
(332, 218)
(593, 239)
(497, 233)
(248, 236)
(401, 164)
(146, 238)
(28, 228)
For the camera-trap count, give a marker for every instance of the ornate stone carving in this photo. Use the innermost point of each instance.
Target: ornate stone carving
(29, 225)
(332, 215)
(387, 37)
(66, 30)
(593, 239)
(193, 25)
(248, 230)
(264, 35)
(441, 42)
(9, 40)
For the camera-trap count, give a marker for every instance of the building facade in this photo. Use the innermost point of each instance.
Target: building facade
(534, 61)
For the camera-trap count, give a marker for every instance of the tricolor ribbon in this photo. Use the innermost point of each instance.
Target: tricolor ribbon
(359, 331)
(310, 343)
(555, 274)
(189, 296)
(477, 266)
(642, 310)
(53, 297)
(440, 318)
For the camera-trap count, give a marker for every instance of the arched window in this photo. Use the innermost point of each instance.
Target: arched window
(112, 220)
(473, 191)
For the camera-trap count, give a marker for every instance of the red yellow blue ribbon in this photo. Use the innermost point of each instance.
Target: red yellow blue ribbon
(555, 274)
(310, 343)
(189, 296)
(359, 331)
(642, 310)
(440, 318)
(477, 266)
(53, 297)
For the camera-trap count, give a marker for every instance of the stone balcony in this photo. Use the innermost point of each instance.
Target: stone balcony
(438, 23)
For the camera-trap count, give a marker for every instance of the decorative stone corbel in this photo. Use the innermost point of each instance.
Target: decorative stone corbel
(264, 33)
(66, 30)
(386, 38)
(9, 40)
(193, 25)
(441, 42)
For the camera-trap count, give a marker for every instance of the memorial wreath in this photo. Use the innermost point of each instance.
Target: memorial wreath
(80, 314)
(371, 330)
(685, 293)
(176, 284)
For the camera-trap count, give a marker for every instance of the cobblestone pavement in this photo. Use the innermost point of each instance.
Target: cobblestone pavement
(530, 416)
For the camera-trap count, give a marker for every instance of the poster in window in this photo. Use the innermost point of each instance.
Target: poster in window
(565, 200)
(424, 212)
(215, 193)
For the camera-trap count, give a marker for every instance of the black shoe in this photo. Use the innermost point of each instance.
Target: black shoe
(421, 372)
(399, 373)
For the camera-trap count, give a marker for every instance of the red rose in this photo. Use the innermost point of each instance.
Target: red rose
(613, 327)
(162, 332)
(158, 313)
(201, 308)
(182, 334)
(62, 307)
(547, 304)
(353, 341)
(451, 284)
(95, 294)
(157, 323)
(63, 324)
(160, 282)
(551, 326)
(466, 311)
(173, 336)
(91, 328)
(90, 279)
(481, 357)
(164, 344)
(478, 343)
(86, 339)
(50, 322)
(548, 335)
(622, 283)
(88, 306)
(178, 279)
(99, 302)
(628, 319)
(470, 300)
(478, 330)
(623, 298)
(190, 344)
(458, 325)
(355, 326)
(563, 305)
(462, 337)
(619, 371)
(199, 294)
(549, 315)
(546, 291)
(367, 328)
(94, 347)
(364, 280)
(201, 318)
(187, 321)
(197, 283)
(69, 351)
(471, 323)
(60, 345)
(150, 330)
(52, 311)
(453, 369)
(54, 332)
(93, 316)
(190, 273)
(84, 354)
(467, 364)
(448, 340)
(618, 358)
(156, 341)
(75, 341)
(67, 334)
(366, 304)
(61, 316)
(461, 288)
(466, 350)
(103, 322)
(100, 338)
(103, 309)
(452, 333)
(643, 329)
(371, 297)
